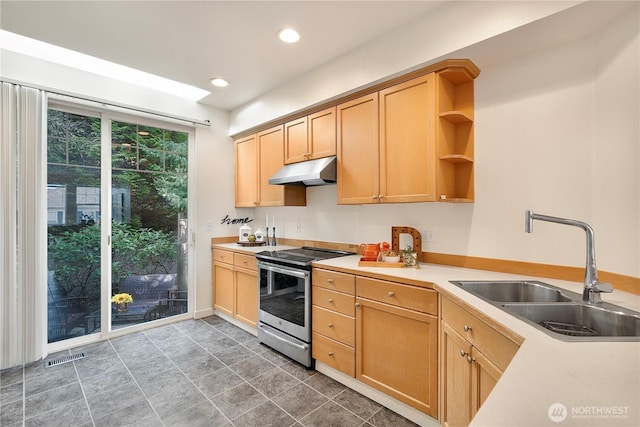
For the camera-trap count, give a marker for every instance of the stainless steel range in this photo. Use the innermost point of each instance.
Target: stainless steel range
(284, 278)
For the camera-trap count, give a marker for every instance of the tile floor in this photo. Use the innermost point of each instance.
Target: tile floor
(204, 372)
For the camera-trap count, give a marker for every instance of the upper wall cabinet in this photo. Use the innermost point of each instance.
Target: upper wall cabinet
(454, 137)
(411, 142)
(310, 137)
(358, 157)
(386, 145)
(408, 139)
(258, 157)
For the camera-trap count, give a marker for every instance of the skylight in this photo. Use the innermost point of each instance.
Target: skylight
(70, 58)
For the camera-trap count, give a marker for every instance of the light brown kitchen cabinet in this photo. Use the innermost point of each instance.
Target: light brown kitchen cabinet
(357, 151)
(386, 145)
(333, 319)
(258, 157)
(397, 341)
(310, 137)
(454, 138)
(474, 354)
(235, 285)
(247, 167)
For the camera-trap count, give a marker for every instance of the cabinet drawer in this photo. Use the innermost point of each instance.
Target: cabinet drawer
(498, 348)
(221, 255)
(334, 354)
(406, 296)
(337, 301)
(334, 325)
(245, 261)
(340, 282)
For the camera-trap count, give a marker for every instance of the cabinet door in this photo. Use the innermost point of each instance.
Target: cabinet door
(246, 156)
(296, 147)
(271, 147)
(455, 378)
(396, 352)
(357, 146)
(223, 288)
(246, 308)
(407, 142)
(484, 376)
(322, 133)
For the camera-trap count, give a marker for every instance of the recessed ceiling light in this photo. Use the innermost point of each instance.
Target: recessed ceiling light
(289, 35)
(219, 82)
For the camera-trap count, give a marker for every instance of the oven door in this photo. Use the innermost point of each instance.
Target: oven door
(285, 296)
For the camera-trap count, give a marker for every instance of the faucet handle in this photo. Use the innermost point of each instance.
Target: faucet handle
(603, 287)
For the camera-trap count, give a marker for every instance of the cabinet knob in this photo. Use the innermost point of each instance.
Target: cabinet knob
(357, 304)
(463, 353)
(330, 325)
(380, 196)
(374, 197)
(469, 359)
(467, 328)
(330, 281)
(330, 354)
(390, 293)
(330, 300)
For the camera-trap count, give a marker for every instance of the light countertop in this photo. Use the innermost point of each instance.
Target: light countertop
(598, 383)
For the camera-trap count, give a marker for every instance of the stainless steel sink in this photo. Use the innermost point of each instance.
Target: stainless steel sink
(516, 291)
(577, 321)
(558, 312)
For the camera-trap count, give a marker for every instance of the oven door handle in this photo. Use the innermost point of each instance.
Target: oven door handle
(275, 334)
(288, 271)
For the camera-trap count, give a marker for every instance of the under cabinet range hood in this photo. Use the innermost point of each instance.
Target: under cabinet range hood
(308, 173)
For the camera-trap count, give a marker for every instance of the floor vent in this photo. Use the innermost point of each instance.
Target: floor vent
(65, 359)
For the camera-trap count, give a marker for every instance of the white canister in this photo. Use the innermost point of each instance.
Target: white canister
(245, 232)
(259, 235)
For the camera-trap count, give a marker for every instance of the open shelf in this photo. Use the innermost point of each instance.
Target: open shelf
(455, 180)
(455, 117)
(456, 158)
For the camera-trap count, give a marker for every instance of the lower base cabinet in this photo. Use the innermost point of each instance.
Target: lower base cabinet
(396, 352)
(474, 354)
(235, 285)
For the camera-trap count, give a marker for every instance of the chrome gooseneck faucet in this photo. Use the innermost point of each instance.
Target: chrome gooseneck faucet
(592, 287)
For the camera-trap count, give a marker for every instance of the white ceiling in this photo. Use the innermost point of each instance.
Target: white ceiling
(193, 41)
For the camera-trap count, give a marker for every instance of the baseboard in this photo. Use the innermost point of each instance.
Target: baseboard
(200, 314)
(377, 396)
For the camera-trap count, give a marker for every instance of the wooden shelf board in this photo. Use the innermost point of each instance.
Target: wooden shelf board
(456, 158)
(455, 117)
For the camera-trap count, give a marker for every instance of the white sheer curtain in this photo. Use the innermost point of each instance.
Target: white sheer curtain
(23, 257)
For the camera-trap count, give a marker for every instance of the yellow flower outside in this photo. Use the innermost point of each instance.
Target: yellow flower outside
(121, 298)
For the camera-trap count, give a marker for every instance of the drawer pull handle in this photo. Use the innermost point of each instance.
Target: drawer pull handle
(357, 304)
(330, 281)
(330, 354)
(467, 328)
(330, 300)
(390, 293)
(469, 359)
(330, 325)
(463, 353)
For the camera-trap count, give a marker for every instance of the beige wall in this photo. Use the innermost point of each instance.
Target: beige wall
(556, 132)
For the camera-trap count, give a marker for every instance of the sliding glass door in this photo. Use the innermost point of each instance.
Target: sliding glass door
(149, 207)
(138, 220)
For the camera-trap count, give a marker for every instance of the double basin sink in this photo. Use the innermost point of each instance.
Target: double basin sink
(558, 312)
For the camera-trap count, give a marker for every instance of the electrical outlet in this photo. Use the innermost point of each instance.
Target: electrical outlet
(298, 227)
(427, 235)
